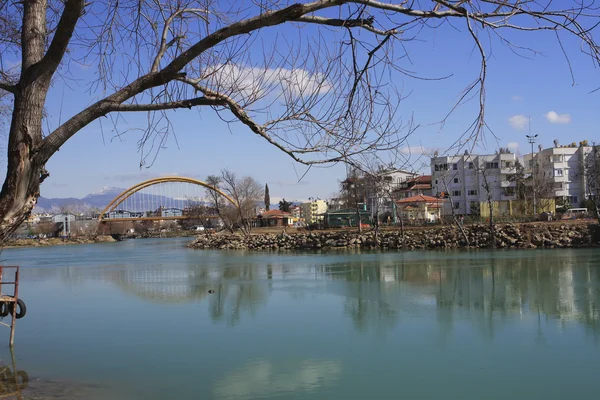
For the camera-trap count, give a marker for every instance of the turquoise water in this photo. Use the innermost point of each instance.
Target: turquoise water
(136, 320)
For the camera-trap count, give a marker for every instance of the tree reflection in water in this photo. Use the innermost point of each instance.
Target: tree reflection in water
(378, 288)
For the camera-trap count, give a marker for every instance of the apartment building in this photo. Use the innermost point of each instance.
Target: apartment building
(465, 180)
(559, 171)
(313, 211)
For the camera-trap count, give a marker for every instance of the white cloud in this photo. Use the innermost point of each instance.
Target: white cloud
(517, 98)
(416, 150)
(513, 146)
(249, 83)
(555, 118)
(518, 122)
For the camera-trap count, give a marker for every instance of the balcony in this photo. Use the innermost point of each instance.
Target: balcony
(506, 184)
(508, 170)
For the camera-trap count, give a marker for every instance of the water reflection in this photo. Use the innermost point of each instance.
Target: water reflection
(377, 289)
(262, 379)
(12, 380)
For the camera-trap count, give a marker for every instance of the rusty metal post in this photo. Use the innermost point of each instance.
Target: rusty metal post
(14, 309)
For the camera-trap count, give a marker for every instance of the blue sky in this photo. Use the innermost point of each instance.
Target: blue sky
(539, 87)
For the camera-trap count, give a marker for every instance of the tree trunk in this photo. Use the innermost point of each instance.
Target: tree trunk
(25, 172)
(492, 227)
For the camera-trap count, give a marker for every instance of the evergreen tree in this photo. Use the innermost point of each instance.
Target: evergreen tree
(267, 198)
(284, 205)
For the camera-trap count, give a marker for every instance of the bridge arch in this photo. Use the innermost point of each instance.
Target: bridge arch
(156, 181)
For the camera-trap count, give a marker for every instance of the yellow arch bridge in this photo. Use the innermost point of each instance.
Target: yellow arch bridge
(165, 198)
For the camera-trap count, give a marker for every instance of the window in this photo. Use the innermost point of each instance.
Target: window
(491, 165)
(456, 205)
(558, 185)
(558, 158)
(470, 165)
(455, 166)
(441, 167)
(572, 199)
(472, 192)
(436, 182)
(456, 193)
(558, 172)
(455, 180)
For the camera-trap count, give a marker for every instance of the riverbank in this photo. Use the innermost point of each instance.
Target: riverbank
(518, 236)
(57, 241)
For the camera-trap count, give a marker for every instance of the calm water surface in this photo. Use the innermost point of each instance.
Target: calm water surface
(135, 320)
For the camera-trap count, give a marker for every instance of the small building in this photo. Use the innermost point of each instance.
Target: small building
(421, 208)
(170, 212)
(119, 214)
(275, 218)
(63, 223)
(346, 217)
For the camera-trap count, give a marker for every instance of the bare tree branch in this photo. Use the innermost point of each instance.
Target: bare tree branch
(8, 87)
(365, 23)
(64, 31)
(198, 101)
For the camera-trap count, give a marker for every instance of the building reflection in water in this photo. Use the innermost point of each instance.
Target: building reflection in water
(262, 378)
(378, 288)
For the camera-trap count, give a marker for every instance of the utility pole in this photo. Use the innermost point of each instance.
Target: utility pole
(531, 139)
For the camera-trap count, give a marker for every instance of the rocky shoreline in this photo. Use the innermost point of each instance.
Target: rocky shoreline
(58, 241)
(519, 236)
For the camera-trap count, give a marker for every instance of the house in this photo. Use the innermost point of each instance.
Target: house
(420, 208)
(276, 218)
(380, 199)
(421, 185)
(466, 180)
(297, 213)
(63, 223)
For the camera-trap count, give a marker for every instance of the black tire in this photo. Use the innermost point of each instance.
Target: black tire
(21, 311)
(3, 309)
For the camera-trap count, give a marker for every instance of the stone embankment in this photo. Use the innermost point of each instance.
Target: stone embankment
(446, 237)
(58, 241)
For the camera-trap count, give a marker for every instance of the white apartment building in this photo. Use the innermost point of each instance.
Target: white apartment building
(464, 179)
(561, 169)
(312, 209)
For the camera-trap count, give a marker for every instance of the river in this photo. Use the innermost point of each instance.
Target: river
(151, 319)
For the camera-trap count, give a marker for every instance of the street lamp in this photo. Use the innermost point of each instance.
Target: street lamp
(531, 139)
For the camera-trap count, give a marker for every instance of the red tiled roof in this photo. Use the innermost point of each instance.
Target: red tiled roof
(420, 199)
(415, 187)
(276, 214)
(421, 179)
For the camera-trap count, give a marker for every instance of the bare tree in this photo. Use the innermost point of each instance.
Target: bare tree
(325, 98)
(489, 193)
(354, 192)
(217, 201)
(592, 178)
(448, 194)
(247, 193)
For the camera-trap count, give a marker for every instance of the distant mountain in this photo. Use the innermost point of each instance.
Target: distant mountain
(99, 200)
